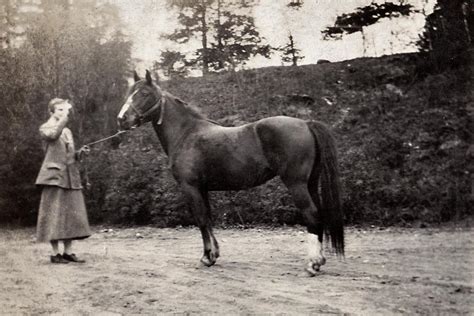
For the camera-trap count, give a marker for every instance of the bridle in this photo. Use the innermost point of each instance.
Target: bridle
(143, 116)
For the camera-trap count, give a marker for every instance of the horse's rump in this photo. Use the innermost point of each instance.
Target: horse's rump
(288, 145)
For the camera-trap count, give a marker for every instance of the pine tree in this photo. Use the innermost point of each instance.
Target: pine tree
(448, 32)
(349, 23)
(172, 63)
(228, 38)
(236, 38)
(289, 53)
(193, 20)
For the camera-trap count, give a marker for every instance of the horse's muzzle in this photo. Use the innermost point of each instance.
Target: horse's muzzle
(121, 123)
(125, 124)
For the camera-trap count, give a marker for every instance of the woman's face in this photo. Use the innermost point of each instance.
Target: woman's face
(62, 110)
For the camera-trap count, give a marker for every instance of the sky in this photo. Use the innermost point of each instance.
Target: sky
(147, 20)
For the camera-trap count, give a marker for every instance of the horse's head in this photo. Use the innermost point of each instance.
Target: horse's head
(143, 103)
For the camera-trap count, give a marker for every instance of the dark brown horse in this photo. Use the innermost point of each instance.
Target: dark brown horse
(205, 156)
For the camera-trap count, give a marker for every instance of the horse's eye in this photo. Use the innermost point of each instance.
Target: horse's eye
(145, 93)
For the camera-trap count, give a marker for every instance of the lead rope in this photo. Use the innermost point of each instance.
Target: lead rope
(105, 138)
(86, 171)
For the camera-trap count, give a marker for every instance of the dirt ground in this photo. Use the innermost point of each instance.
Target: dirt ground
(156, 271)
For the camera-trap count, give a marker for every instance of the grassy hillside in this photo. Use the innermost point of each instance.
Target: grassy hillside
(403, 143)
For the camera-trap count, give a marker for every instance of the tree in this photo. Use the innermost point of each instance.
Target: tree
(448, 32)
(13, 21)
(228, 38)
(66, 48)
(193, 19)
(290, 54)
(349, 23)
(172, 63)
(295, 4)
(236, 40)
(72, 49)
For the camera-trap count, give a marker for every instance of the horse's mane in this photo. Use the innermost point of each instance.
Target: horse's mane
(194, 110)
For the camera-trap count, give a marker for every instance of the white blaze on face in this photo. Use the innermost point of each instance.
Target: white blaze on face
(126, 106)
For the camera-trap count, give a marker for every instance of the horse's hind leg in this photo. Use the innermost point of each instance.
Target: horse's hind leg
(315, 223)
(305, 203)
(199, 202)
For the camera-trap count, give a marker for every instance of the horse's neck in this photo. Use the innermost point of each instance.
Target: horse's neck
(177, 122)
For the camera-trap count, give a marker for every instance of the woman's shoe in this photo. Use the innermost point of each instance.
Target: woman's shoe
(58, 259)
(72, 258)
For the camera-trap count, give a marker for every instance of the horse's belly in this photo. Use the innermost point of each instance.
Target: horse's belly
(236, 171)
(225, 159)
(235, 167)
(222, 178)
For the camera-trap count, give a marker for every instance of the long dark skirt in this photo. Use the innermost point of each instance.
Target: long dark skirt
(62, 215)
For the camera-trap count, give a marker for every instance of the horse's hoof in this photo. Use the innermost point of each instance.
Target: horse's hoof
(314, 267)
(207, 262)
(312, 271)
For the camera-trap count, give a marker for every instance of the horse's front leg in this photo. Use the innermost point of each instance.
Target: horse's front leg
(199, 203)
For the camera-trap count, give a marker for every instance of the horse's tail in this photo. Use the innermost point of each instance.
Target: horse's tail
(326, 173)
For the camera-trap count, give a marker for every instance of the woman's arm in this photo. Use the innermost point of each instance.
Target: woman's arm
(52, 129)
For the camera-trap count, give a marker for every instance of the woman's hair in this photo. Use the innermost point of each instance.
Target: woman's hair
(53, 102)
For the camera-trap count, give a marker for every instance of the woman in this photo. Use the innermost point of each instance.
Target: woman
(62, 212)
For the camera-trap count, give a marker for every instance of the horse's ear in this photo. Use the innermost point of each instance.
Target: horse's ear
(148, 77)
(135, 76)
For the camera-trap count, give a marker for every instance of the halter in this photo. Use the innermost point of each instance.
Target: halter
(147, 113)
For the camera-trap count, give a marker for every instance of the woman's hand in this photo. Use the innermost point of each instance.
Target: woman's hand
(84, 150)
(63, 112)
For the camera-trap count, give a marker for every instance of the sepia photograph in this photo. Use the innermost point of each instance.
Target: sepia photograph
(236, 157)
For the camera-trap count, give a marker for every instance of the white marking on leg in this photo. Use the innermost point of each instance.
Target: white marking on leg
(314, 247)
(315, 252)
